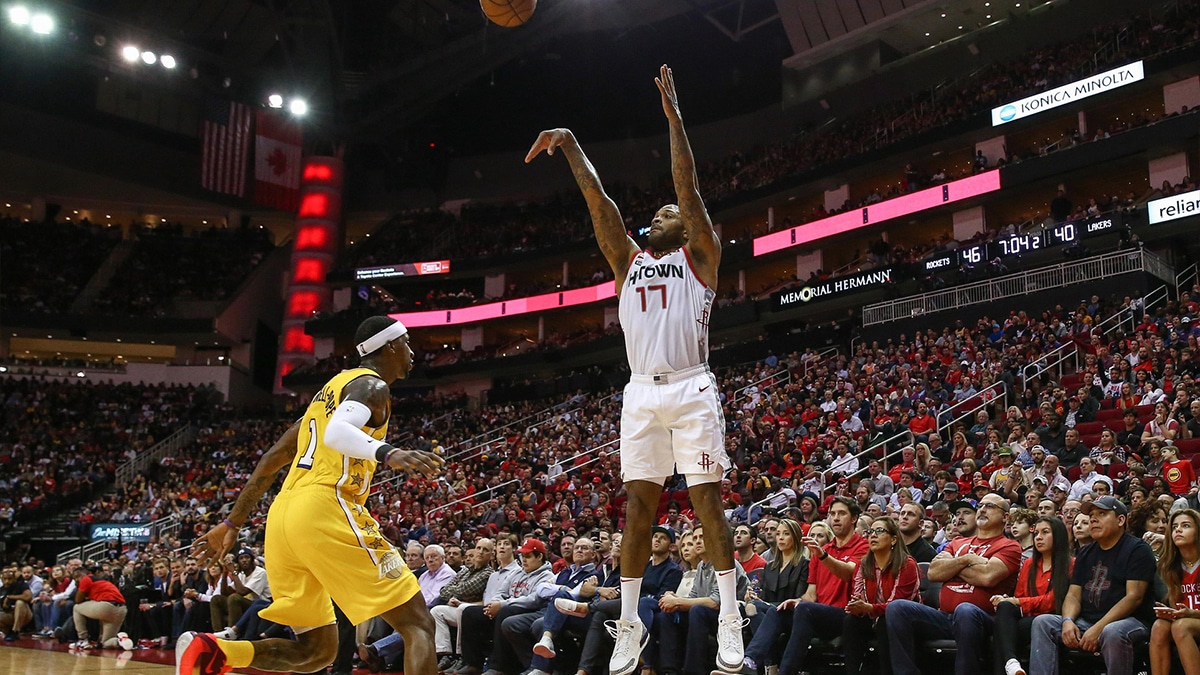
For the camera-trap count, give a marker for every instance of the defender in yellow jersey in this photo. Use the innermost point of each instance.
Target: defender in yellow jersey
(322, 544)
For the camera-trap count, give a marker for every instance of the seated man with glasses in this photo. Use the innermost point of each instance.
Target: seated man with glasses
(972, 569)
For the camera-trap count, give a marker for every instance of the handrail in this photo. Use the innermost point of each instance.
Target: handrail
(489, 434)
(514, 480)
(737, 393)
(983, 403)
(871, 449)
(1045, 363)
(167, 446)
(93, 548)
(999, 385)
(823, 355)
(1190, 273)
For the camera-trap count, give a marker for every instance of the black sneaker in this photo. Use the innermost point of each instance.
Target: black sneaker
(60, 634)
(445, 662)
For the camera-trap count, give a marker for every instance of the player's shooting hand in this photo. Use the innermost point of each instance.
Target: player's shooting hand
(549, 140)
(666, 87)
(214, 544)
(419, 461)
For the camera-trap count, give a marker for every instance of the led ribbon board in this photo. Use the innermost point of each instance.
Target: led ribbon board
(874, 214)
(506, 308)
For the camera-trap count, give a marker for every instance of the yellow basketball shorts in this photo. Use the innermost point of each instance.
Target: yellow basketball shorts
(321, 546)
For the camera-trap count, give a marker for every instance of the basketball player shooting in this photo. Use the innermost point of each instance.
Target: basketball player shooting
(671, 417)
(322, 543)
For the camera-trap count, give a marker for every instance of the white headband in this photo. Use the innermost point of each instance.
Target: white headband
(381, 338)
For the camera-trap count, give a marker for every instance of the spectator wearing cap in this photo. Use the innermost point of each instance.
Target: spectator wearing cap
(1076, 413)
(485, 622)
(1088, 477)
(1008, 478)
(99, 599)
(972, 569)
(521, 631)
(1109, 605)
(243, 583)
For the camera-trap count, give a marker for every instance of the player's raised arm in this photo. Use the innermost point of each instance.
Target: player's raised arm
(703, 243)
(614, 242)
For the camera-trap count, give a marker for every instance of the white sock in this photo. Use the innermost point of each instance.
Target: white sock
(631, 592)
(727, 586)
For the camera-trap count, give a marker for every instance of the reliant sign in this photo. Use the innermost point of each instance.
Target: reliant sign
(798, 296)
(1068, 93)
(1174, 207)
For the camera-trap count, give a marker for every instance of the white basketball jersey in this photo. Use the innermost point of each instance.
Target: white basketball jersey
(664, 311)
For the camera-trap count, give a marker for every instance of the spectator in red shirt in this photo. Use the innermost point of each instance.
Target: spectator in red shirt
(744, 538)
(907, 463)
(98, 598)
(972, 569)
(922, 424)
(1041, 589)
(885, 574)
(820, 611)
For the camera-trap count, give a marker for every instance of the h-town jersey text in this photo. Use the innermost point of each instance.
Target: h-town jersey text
(664, 311)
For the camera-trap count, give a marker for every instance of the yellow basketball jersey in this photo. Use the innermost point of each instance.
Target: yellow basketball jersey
(315, 464)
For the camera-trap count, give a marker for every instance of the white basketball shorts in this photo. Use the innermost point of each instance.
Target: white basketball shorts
(673, 423)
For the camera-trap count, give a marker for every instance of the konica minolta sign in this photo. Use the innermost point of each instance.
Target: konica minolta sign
(1068, 93)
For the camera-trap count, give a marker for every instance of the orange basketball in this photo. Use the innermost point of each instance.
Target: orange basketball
(508, 13)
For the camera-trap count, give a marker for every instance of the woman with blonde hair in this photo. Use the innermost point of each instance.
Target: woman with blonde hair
(1178, 623)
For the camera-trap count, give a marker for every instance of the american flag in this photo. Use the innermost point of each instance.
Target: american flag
(225, 155)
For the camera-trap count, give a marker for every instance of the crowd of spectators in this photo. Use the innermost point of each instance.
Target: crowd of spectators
(166, 267)
(1037, 451)
(47, 264)
(61, 442)
(485, 230)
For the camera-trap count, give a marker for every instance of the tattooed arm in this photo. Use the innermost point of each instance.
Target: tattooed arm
(614, 242)
(703, 243)
(220, 540)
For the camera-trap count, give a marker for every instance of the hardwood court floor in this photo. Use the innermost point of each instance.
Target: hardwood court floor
(48, 657)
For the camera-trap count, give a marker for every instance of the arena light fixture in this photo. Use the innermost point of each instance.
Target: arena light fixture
(298, 107)
(42, 24)
(19, 15)
(149, 58)
(275, 101)
(168, 61)
(130, 53)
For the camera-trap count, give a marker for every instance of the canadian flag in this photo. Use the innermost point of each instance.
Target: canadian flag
(277, 149)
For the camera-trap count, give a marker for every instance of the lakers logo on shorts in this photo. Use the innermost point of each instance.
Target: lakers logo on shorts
(391, 565)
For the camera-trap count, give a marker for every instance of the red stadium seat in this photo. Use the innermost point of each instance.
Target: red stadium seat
(1074, 473)
(1108, 404)
(1110, 416)
(1188, 447)
(1115, 469)
(1071, 382)
(1089, 428)
(1090, 440)
(1195, 460)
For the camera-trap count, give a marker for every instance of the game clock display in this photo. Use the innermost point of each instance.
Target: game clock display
(1062, 234)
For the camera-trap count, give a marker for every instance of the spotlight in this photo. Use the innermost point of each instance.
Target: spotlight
(149, 58)
(275, 101)
(42, 24)
(130, 53)
(298, 107)
(168, 61)
(19, 15)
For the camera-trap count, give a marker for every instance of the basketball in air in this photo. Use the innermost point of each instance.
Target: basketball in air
(508, 13)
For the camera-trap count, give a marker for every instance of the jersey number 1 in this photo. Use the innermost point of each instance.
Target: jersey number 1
(306, 460)
(662, 291)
